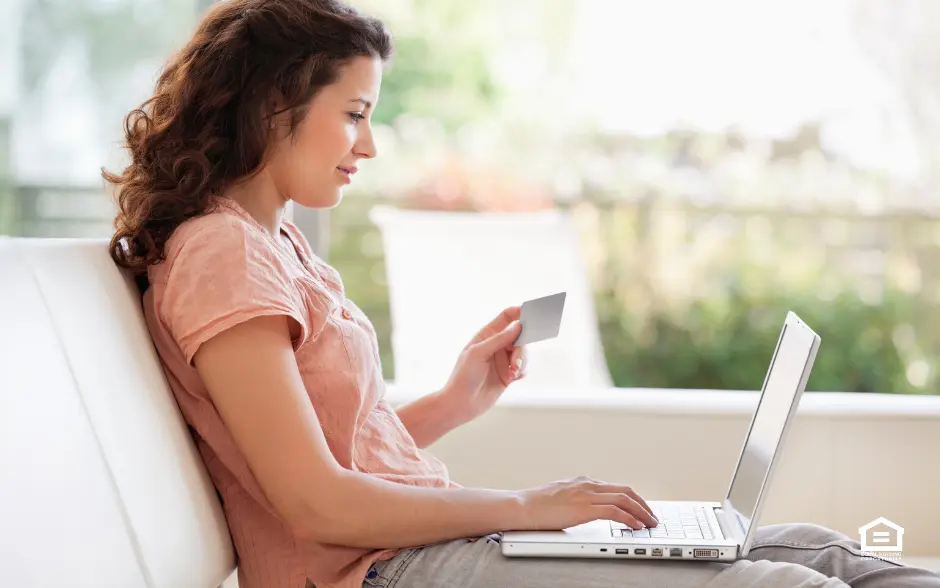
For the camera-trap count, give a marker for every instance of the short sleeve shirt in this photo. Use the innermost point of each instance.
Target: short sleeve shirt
(224, 268)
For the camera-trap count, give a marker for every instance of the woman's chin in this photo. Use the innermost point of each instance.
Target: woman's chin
(337, 198)
(321, 200)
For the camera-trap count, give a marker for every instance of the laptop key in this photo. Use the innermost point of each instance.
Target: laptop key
(641, 533)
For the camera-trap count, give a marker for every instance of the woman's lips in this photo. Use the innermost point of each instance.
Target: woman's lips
(347, 173)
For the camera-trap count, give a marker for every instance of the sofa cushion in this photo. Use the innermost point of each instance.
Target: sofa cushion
(84, 322)
(63, 521)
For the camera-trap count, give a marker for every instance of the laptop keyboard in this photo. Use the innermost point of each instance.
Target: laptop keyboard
(675, 522)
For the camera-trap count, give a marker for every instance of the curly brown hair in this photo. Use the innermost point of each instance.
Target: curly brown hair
(205, 127)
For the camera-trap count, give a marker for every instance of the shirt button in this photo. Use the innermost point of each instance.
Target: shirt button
(346, 314)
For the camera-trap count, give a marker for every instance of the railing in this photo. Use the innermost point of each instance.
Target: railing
(56, 211)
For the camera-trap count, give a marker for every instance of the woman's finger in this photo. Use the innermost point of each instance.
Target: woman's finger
(503, 367)
(629, 491)
(502, 320)
(627, 504)
(609, 512)
(496, 344)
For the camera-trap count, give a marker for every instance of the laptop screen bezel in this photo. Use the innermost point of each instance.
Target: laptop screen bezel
(734, 518)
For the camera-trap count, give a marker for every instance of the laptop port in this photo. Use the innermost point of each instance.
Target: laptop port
(639, 551)
(603, 550)
(657, 552)
(675, 552)
(622, 551)
(707, 553)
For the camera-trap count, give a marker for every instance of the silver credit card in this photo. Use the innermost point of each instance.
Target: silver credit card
(541, 318)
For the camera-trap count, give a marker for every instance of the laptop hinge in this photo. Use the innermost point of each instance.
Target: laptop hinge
(726, 529)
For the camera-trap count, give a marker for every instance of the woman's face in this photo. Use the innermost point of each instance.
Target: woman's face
(315, 163)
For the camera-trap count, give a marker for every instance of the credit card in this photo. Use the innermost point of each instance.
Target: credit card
(541, 318)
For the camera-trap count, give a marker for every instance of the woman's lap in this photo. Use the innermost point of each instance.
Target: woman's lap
(836, 555)
(482, 564)
(782, 556)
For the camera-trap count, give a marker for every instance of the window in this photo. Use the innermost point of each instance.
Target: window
(725, 162)
(71, 70)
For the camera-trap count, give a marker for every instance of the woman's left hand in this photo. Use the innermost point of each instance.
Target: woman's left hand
(486, 367)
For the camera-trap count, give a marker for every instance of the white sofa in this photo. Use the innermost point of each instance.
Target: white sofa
(101, 485)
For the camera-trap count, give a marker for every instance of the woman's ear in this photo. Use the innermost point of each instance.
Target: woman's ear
(275, 112)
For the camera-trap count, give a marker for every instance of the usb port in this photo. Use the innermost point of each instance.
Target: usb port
(657, 552)
(622, 551)
(639, 551)
(675, 552)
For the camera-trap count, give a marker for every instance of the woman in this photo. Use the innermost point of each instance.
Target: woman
(278, 373)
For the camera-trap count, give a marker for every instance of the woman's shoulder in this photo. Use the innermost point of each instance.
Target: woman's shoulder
(217, 237)
(219, 223)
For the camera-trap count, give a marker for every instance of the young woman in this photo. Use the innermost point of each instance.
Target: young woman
(278, 373)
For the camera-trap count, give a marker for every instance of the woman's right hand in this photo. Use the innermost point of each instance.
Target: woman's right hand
(566, 503)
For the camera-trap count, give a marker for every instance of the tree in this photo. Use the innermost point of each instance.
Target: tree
(440, 67)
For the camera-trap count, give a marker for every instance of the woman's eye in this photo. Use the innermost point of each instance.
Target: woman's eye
(356, 116)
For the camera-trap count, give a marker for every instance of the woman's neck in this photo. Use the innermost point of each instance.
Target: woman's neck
(259, 197)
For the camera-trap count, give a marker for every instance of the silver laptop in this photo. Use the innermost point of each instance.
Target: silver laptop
(695, 530)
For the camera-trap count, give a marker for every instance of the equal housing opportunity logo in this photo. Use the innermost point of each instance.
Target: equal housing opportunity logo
(881, 538)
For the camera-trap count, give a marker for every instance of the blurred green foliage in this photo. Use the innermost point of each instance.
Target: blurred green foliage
(720, 342)
(439, 68)
(721, 339)
(728, 344)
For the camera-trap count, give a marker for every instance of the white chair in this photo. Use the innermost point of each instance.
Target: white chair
(101, 485)
(449, 273)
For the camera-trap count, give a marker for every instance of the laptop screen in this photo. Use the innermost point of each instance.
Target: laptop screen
(783, 386)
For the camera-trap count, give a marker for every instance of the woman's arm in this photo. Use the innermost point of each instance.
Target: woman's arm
(252, 376)
(428, 418)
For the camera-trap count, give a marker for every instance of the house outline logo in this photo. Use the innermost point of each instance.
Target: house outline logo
(880, 541)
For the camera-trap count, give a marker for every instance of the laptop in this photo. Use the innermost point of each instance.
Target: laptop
(701, 530)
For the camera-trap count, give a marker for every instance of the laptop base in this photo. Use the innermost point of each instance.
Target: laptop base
(596, 539)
